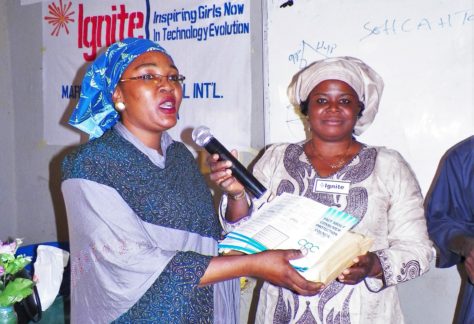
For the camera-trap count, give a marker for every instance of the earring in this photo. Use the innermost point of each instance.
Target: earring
(120, 106)
(177, 116)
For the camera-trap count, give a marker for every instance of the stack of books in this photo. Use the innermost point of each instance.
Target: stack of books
(294, 222)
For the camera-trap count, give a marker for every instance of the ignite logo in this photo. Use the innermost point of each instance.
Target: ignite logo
(60, 17)
(96, 31)
(99, 30)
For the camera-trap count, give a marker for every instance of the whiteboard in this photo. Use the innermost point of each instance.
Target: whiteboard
(423, 50)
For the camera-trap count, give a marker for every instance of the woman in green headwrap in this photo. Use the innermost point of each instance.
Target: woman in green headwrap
(142, 227)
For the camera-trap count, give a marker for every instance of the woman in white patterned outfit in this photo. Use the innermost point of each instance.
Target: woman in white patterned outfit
(340, 98)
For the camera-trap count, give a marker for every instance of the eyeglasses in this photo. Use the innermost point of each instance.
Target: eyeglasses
(158, 78)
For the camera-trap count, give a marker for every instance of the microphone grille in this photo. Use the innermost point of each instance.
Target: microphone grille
(201, 135)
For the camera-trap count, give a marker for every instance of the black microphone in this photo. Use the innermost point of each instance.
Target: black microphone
(203, 137)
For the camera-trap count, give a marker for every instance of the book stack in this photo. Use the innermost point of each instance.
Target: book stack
(294, 222)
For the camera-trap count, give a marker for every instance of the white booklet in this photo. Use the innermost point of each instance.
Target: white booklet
(296, 222)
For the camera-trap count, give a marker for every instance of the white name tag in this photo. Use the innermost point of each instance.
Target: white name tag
(332, 186)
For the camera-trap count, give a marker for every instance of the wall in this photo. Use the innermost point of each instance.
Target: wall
(35, 200)
(7, 148)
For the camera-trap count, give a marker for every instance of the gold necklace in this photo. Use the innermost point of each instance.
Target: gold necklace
(333, 165)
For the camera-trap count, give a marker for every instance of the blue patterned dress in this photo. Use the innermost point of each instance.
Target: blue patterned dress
(141, 235)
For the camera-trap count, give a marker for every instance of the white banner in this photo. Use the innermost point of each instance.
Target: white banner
(210, 44)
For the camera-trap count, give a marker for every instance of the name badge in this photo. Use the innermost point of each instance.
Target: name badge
(332, 186)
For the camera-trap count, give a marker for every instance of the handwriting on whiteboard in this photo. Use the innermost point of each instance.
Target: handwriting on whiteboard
(323, 48)
(395, 26)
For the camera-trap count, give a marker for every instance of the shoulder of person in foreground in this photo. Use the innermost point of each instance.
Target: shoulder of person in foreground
(464, 150)
(272, 154)
(388, 153)
(391, 164)
(89, 157)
